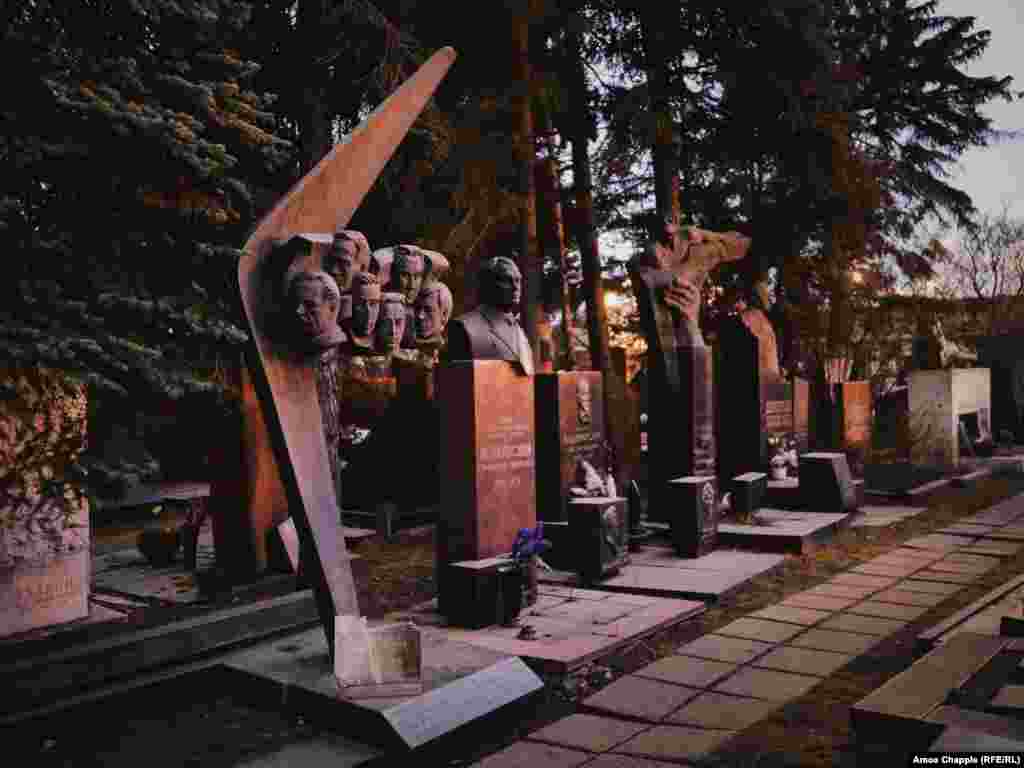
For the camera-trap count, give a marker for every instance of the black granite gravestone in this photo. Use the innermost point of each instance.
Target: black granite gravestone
(599, 536)
(1004, 356)
(746, 492)
(694, 522)
(826, 484)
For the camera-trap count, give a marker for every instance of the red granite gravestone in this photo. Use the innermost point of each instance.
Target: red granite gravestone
(802, 414)
(854, 401)
(488, 482)
(569, 429)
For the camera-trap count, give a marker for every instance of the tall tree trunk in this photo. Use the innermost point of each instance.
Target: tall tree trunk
(655, 26)
(314, 121)
(529, 248)
(549, 200)
(597, 326)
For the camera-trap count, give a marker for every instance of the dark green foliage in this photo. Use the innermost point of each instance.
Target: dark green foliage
(133, 151)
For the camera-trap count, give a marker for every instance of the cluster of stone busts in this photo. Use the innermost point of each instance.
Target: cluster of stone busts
(388, 302)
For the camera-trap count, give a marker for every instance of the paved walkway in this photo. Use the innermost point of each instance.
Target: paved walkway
(687, 705)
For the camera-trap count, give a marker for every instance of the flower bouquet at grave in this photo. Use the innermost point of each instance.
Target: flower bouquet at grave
(526, 551)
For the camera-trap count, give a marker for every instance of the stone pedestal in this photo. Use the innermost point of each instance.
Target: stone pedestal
(599, 535)
(680, 426)
(826, 484)
(747, 491)
(694, 522)
(488, 481)
(569, 428)
(937, 401)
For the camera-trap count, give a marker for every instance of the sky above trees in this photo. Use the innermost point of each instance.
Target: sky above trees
(995, 174)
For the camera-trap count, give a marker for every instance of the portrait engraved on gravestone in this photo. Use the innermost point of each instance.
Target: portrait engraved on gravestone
(492, 330)
(348, 255)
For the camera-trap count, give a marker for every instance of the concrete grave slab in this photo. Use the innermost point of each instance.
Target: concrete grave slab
(724, 648)
(461, 683)
(590, 733)
(640, 697)
(675, 742)
(877, 516)
(784, 530)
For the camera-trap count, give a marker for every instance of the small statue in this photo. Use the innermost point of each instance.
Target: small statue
(751, 310)
(431, 312)
(408, 271)
(951, 354)
(588, 482)
(315, 298)
(349, 255)
(492, 331)
(668, 278)
(366, 297)
(390, 325)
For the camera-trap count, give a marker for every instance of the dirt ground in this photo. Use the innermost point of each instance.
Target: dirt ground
(167, 726)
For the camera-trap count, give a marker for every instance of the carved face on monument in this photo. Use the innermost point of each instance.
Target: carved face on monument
(314, 298)
(408, 271)
(349, 254)
(431, 311)
(501, 284)
(366, 297)
(390, 324)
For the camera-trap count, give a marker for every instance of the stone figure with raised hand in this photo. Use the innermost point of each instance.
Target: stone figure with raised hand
(366, 298)
(669, 275)
(492, 331)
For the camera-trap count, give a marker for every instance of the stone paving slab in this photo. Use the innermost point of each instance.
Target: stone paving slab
(991, 547)
(590, 733)
(760, 629)
(852, 591)
(837, 641)
(906, 597)
(722, 648)
(908, 556)
(929, 574)
(675, 742)
(989, 561)
(968, 529)
(889, 610)
(640, 697)
(939, 541)
(863, 580)
(807, 661)
(707, 585)
(767, 684)
(719, 710)
(792, 614)
(889, 569)
(819, 602)
(535, 755)
(627, 761)
(866, 625)
(929, 586)
(687, 670)
(876, 516)
(956, 566)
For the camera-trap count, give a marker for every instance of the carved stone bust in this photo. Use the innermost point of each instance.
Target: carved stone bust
(348, 255)
(313, 297)
(408, 271)
(431, 312)
(492, 331)
(366, 298)
(391, 324)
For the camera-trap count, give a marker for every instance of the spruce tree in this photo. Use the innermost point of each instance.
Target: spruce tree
(135, 154)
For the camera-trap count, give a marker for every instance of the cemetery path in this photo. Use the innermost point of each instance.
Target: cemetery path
(768, 677)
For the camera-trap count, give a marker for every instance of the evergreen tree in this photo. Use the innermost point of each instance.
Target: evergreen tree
(134, 154)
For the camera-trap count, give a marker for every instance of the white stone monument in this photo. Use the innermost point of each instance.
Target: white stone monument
(938, 399)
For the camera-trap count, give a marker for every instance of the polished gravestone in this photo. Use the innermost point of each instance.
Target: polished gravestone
(746, 493)
(826, 484)
(488, 482)
(1003, 355)
(569, 429)
(694, 522)
(598, 537)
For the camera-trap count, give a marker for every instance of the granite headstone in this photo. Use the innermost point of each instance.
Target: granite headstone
(694, 523)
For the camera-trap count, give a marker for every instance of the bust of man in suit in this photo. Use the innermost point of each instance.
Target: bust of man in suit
(491, 331)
